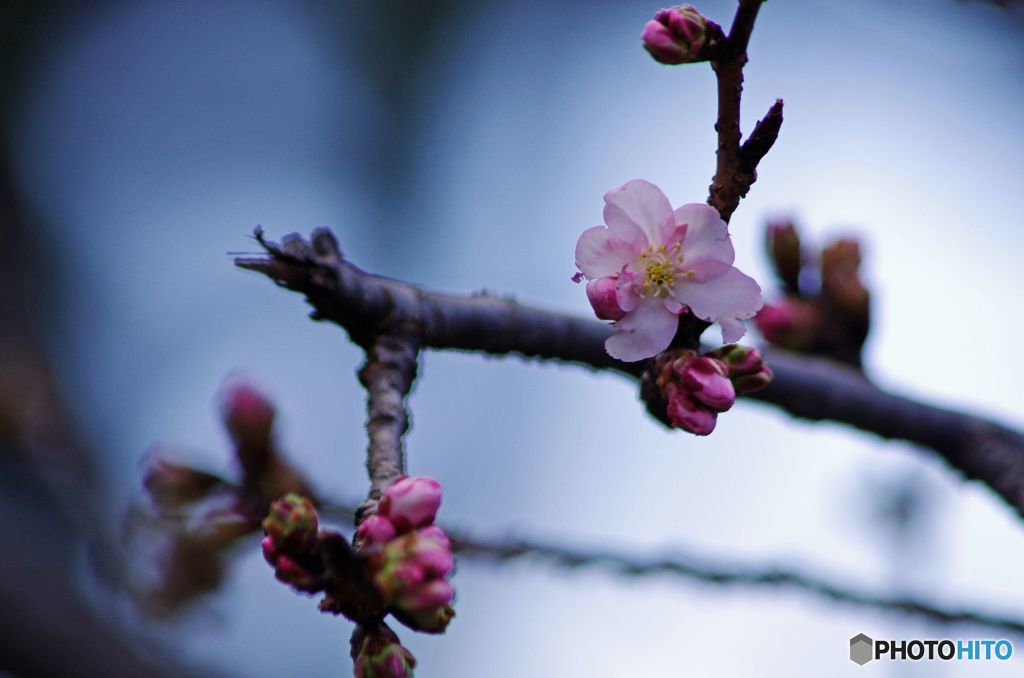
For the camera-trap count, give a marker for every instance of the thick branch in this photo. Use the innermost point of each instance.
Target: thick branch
(809, 388)
(735, 168)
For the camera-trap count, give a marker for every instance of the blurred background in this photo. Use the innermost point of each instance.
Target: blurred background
(466, 146)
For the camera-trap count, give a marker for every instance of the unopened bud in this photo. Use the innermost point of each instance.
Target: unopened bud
(791, 323)
(752, 383)
(375, 530)
(680, 35)
(841, 284)
(411, 502)
(783, 244)
(412, 559)
(707, 380)
(291, 572)
(292, 523)
(426, 608)
(603, 296)
(748, 372)
(379, 654)
(738, 358)
(686, 413)
(249, 418)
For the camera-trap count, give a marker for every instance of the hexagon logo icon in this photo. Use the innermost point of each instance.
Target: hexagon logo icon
(861, 649)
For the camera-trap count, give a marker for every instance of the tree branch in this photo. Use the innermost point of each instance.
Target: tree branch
(809, 388)
(736, 166)
(388, 374)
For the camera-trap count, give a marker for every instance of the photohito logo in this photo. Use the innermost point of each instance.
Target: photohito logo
(863, 649)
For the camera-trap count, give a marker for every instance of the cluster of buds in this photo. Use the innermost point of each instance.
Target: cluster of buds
(378, 653)
(200, 515)
(409, 556)
(290, 544)
(681, 35)
(825, 309)
(696, 388)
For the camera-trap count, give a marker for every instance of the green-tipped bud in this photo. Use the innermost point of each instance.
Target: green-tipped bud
(379, 654)
(292, 523)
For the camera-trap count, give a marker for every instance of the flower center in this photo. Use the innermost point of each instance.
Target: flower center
(661, 267)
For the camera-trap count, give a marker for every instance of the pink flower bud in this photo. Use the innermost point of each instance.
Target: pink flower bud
(791, 323)
(427, 607)
(435, 534)
(707, 380)
(603, 296)
(679, 35)
(411, 502)
(748, 372)
(411, 559)
(841, 284)
(739, 359)
(686, 413)
(783, 243)
(375, 530)
(378, 654)
(745, 384)
(270, 552)
(292, 523)
(249, 418)
(289, 571)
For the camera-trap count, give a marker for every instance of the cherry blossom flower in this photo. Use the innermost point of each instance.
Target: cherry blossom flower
(661, 263)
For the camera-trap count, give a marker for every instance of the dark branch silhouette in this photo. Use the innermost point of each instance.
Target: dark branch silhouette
(810, 388)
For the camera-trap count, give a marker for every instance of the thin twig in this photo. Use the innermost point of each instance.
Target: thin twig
(388, 376)
(690, 567)
(809, 388)
(720, 573)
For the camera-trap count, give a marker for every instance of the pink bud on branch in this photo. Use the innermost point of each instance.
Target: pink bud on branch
(747, 371)
(695, 388)
(379, 654)
(409, 556)
(249, 418)
(411, 502)
(680, 35)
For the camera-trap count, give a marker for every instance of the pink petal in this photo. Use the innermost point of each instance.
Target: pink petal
(732, 330)
(626, 293)
(599, 253)
(707, 236)
(637, 204)
(673, 306)
(727, 298)
(707, 269)
(643, 332)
